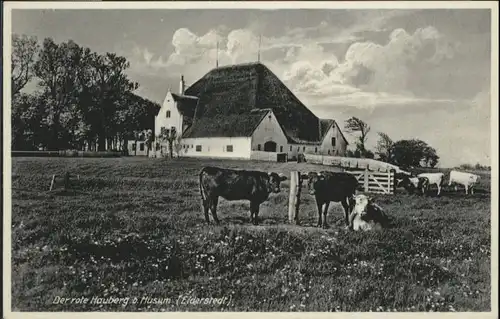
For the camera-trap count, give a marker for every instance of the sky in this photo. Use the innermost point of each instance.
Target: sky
(409, 73)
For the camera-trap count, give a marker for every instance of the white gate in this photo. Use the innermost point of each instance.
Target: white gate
(375, 182)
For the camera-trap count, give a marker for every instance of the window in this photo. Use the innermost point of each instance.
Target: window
(141, 146)
(328, 152)
(134, 147)
(315, 150)
(229, 148)
(258, 147)
(168, 114)
(333, 141)
(290, 148)
(281, 148)
(198, 148)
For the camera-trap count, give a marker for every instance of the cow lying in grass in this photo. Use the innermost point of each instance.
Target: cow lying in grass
(366, 215)
(329, 187)
(254, 186)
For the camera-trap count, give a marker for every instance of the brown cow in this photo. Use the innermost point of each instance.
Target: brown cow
(230, 184)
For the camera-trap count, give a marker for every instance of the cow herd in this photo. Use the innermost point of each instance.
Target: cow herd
(422, 182)
(361, 213)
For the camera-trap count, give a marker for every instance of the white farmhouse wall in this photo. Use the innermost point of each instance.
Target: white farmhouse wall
(175, 119)
(303, 148)
(140, 148)
(216, 147)
(269, 130)
(340, 144)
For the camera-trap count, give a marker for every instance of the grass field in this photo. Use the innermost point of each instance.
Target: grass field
(133, 227)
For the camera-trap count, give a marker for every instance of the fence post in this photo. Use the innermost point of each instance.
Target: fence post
(393, 179)
(294, 200)
(66, 180)
(389, 189)
(366, 185)
(52, 182)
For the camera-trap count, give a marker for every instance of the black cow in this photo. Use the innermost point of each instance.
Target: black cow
(399, 177)
(254, 186)
(415, 183)
(332, 187)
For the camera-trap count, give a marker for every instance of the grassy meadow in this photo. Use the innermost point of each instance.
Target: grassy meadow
(133, 227)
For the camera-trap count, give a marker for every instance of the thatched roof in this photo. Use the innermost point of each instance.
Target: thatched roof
(233, 125)
(226, 96)
(187, 106)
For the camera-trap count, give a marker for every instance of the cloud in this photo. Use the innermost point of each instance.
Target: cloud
(388, 67)
(367, 75)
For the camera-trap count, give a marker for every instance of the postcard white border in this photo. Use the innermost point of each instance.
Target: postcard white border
(7, 15)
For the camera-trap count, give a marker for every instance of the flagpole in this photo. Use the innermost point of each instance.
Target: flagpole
(217, 55)
(258, 52)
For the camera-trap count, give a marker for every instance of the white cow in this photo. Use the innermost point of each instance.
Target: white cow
(367, 215)
(434, 178)
(467, 179)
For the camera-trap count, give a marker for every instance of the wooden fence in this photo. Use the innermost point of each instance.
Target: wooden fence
(352, 163)
(268, 156)
(375, 182)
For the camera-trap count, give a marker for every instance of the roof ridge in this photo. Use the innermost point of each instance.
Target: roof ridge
(236, 65)
(184, 96)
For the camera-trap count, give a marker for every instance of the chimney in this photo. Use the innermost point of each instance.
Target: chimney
(182, 85)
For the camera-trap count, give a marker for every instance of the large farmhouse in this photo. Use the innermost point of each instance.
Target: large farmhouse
(234, 111)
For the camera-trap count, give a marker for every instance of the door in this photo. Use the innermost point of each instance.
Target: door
(270, 146)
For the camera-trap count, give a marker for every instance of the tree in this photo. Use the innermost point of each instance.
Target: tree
(384, 147)
(414, 152)
(57, 68)
(178, 145)
(355, 125)
(86, 98)
(168, 136)
(149, 137)
(28, 122)
(368, 154)
(430, 158)
(24, 54)
(104, 83)
(134, 113)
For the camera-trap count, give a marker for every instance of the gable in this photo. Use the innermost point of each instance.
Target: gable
(168, 102)
(326, 125)
(268, 122)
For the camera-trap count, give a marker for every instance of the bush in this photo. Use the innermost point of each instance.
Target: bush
(65, 153)
(478, 167)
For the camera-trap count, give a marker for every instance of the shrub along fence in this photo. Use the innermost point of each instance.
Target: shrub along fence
(65, 153)
(352, 163)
